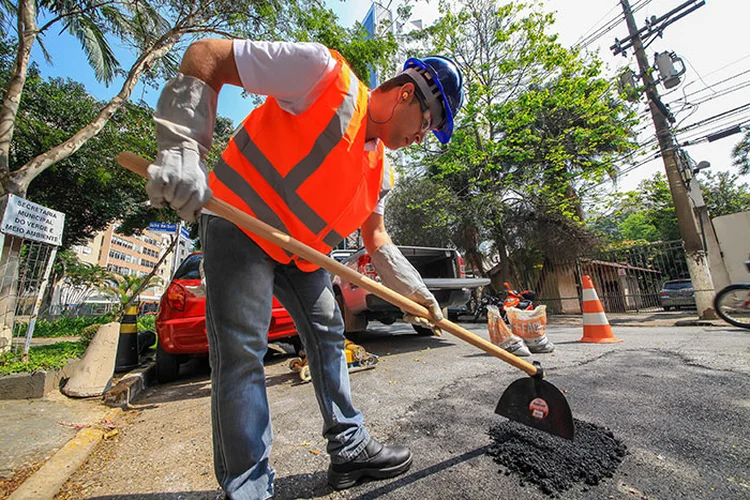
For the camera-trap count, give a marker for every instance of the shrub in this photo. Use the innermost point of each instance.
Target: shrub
(87, 333)
(147, 322)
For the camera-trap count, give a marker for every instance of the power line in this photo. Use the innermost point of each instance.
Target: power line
(609, 26)
(699, 91)
(722, 93)
(711, 119)
(718, 131)
(585, 33)
(729, 64)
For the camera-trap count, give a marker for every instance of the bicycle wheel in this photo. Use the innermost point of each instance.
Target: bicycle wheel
(732, 304)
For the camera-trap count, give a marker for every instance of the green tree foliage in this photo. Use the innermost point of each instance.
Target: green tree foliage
(361, 51)
(647, 213)
(76, 280)
(418, 212)
(539, 124)
(724, 193)
(88, 186)
(124, 287)
(742, 155)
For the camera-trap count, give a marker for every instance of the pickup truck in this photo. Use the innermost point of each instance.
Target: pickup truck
(442, 270)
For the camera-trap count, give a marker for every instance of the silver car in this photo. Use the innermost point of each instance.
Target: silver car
(677, 294)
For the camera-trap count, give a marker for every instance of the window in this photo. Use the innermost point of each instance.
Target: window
(148, 263)
(188, 270)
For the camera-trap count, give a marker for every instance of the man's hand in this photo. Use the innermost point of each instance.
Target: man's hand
(179, 177)
(185, 117)
(399, 275)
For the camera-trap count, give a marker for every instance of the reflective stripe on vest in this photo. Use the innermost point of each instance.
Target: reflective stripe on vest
(245, 163)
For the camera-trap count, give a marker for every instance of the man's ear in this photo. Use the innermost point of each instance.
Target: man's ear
(406, 90)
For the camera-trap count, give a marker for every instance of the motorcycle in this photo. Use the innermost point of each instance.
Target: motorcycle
(732, 303)
(521, 300)
(480, 309)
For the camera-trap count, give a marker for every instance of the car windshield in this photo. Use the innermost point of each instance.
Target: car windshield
(678, 285)
(188, 270)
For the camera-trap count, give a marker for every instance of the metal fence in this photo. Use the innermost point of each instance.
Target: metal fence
(626, 280)
(23, 271)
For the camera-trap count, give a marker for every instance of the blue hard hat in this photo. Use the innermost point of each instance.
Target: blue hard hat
(446, 77)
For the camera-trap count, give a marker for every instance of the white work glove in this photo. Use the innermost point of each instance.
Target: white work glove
(185, 117)
(397, 273)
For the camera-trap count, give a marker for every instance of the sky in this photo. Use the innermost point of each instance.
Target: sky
(712, 41)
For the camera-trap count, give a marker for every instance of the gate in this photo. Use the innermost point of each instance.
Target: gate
(626, 280)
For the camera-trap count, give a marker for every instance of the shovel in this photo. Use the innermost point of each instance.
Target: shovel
(531, 401)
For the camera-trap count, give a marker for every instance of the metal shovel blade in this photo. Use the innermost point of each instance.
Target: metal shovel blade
(535, 402)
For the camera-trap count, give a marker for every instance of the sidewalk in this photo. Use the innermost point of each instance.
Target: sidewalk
(34, 429)
(653, 319)
(45, 440)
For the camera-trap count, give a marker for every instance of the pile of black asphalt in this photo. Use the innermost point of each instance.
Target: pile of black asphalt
(552, 463)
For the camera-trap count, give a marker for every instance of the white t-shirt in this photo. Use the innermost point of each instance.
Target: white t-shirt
(294, 74)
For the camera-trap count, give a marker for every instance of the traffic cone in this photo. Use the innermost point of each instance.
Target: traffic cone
(595, 325)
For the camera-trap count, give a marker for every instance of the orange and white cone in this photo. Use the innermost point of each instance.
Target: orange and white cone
(595, 324)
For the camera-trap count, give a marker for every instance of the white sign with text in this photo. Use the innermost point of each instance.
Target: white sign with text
(29, 220)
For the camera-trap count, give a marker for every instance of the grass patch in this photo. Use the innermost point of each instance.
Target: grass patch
(63, 327)
(43, 357)
(48, 357)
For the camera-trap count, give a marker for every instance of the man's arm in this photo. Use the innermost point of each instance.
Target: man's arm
(395, 271)
(374, 234)
(211, 60)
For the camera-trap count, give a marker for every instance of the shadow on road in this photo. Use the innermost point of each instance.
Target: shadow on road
(397, 341)
(195, 374)
(422, 474)
(180, 495)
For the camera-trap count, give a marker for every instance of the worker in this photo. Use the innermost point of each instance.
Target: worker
(309, 161)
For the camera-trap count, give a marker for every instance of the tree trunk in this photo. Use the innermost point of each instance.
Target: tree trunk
(27, 33)
(37, 165)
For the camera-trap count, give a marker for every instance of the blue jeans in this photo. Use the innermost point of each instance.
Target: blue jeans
(240, 281)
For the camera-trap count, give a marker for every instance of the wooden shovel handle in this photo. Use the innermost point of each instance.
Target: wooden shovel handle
(139, 165)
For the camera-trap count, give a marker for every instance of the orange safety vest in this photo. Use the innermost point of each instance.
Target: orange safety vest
(307, 175)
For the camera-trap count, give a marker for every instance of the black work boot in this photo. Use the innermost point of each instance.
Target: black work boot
(376, 461)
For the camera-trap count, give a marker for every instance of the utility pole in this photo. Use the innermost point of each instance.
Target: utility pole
(697, 259)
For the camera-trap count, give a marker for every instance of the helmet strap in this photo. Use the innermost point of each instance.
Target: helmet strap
(430, 91)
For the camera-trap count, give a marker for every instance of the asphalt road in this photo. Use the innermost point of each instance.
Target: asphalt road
(679, 398)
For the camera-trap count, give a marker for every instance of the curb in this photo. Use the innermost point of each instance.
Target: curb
(33, 385)
(698, 322)
(47, 481)
(131, 385)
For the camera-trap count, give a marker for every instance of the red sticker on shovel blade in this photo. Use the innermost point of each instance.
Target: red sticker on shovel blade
(539, 408)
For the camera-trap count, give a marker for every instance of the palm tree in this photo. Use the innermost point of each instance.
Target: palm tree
(127, 288)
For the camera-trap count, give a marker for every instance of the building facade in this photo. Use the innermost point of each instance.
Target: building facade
(136, 256)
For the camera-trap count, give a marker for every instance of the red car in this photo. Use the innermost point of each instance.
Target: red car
(181, 322)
